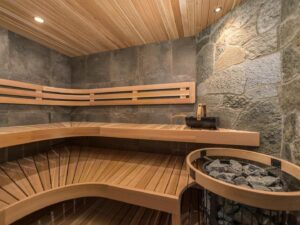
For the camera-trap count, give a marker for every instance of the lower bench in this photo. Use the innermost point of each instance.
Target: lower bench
(155, 181)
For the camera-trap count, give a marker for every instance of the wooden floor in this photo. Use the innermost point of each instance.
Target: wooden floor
(155, 174)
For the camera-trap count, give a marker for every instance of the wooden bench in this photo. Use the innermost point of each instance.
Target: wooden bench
(155, 181)
(151, 180)
(160, 132)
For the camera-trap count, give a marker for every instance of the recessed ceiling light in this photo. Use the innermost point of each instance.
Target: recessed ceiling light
(39, 19)
(218, 9)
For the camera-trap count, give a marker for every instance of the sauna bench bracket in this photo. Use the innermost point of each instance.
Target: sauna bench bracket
(11, 136)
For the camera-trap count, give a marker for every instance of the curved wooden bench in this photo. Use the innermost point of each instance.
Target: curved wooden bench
(150, 180)
(162, 132)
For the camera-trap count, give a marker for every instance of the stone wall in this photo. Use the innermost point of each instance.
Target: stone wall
(25, 60)
(289, 41)
(239, 71)
(171, 61)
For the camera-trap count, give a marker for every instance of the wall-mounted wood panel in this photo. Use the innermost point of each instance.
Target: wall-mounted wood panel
(81, 27)
(15, 92)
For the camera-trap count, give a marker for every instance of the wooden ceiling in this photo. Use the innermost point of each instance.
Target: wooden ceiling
(81, 27)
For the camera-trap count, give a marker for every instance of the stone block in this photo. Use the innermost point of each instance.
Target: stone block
(230, 81)
(155, 63)
(242, 35)
(246, 12)
(289, 8)
(3, 119)
(98, 67)
(269, 15)
(57, 117)
(201, 43)
(260, 113)
(27, 118)
(262, 45)
(78, 71)
(235, 101)
(289, 30)
(227, 117)
(4, 49)
(29, 61)
(263, 70)
(286, 152)
(60, 70)
(158, 117)
(264, 117)
(205, 62)
(183, 57)
(124, 65)
(296, 151)
(261, 91)
(232, 55)
(289, 127)
(291, 62)
(211, 100)
(290, 96)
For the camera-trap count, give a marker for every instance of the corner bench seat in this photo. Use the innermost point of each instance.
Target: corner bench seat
(146, 179)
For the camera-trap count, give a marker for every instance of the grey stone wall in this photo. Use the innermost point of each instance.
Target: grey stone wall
(289, 41)
(171, 61)
(239, 71)
(25, 60)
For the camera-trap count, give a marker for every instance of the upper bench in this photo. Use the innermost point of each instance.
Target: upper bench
(11, 136)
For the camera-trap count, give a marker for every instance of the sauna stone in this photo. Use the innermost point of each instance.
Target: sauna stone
(249, 175)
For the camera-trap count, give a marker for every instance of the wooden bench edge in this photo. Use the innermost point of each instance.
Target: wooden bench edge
(144, 198)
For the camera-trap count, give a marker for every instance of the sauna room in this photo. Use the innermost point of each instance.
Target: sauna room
(149, 112)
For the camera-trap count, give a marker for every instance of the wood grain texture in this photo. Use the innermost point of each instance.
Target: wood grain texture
(49, 183)
(97, 211)
(176, 133)
(83, 27)
(15, 92)
(286, 201)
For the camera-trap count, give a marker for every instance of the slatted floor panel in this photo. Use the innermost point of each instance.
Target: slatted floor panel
(159, 173)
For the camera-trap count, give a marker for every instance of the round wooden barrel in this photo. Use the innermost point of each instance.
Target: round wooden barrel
(285, 201)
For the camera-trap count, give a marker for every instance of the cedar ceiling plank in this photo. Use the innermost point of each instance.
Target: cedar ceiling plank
(80, 27)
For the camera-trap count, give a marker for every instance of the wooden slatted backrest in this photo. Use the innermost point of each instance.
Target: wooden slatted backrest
(15, 92)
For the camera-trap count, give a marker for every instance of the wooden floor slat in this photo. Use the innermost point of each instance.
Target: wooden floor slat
(53, 157)
(13, 170)
(9, 186)
(6, 197)
(64, 158)
(74, 157)
(159, 174)
(29, 168)
(42, 164)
